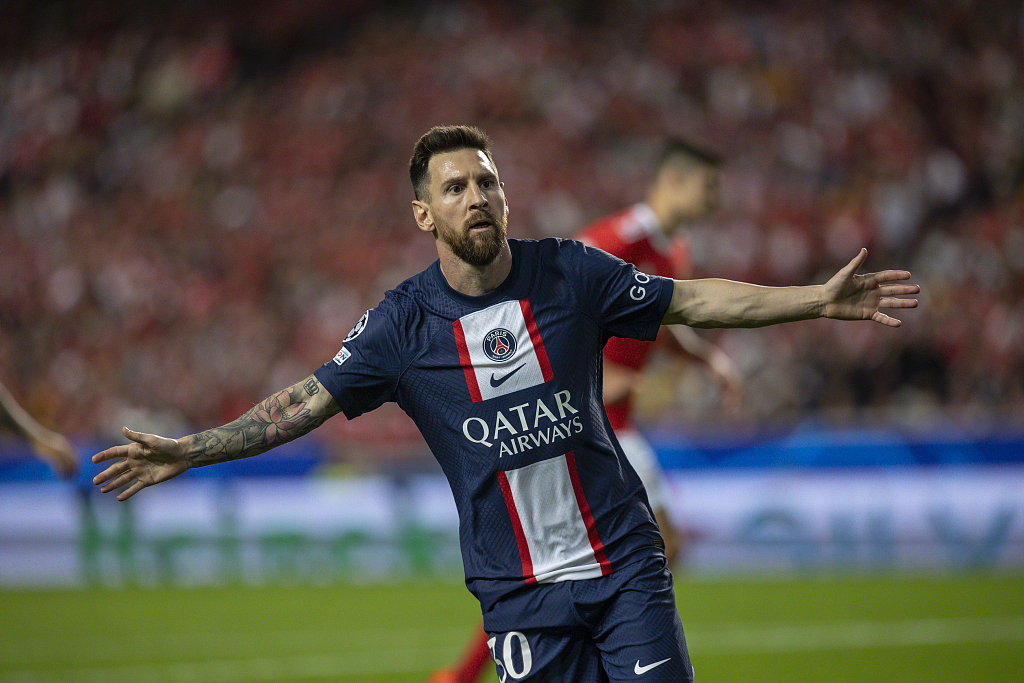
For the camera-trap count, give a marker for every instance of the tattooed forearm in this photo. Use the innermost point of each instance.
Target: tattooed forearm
(275, 420)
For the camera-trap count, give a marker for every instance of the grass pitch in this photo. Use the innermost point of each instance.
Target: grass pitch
(836, 629)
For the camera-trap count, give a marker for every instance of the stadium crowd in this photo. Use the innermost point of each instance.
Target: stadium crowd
(198, 201)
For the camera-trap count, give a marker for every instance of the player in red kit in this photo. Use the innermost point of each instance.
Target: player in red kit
(648, 235)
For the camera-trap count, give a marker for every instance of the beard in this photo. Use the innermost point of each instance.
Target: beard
(476, 249)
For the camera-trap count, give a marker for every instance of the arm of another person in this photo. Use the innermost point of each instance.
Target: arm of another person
(618, 381)
(621, 380)
(694, 346)
(48, 445)
(275, 420)
(846, 296)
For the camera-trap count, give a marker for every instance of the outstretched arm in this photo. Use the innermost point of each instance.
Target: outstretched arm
(275, 420)
(846, 296)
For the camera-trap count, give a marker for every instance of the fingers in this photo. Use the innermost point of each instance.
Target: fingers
(114, 470)
(884, 319)
(850, 268)
(120, 474)
(140, 437)
(116, 476)
(889, 293)
(898, 290)
(131, 491)
(887, 302)
(887, 276)
(112, 453)
(117, 483)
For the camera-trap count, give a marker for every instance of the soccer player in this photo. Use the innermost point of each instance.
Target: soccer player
(684, 189)
(647, 235)
(495, 353)
(52, 448)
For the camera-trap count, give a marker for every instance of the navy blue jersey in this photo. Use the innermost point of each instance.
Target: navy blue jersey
(507, 391)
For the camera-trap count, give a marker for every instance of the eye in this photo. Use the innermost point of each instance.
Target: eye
(455, 189)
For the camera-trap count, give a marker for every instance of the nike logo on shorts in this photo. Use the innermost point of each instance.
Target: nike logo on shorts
(498, 382)
(641, 670)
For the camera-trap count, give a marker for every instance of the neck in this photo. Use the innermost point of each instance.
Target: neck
(471, 280)
(668, 220)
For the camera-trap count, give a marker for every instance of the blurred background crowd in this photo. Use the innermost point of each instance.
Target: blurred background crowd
(198, 200)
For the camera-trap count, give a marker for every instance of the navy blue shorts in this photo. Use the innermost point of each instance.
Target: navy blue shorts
(620, 627)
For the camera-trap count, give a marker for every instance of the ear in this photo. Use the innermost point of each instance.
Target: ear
(421, 213)
(501, 184)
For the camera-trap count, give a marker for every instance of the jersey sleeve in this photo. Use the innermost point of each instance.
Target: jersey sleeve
(625, 301)
(364, 373)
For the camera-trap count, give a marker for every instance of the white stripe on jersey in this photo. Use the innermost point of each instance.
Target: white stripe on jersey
(553, 523)
(497, 376)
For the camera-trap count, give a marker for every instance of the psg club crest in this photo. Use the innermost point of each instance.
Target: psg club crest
(499, 345)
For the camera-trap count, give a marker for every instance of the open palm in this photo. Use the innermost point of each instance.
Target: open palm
(850, 296)
(148, 460)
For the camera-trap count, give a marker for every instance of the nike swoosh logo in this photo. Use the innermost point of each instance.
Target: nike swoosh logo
(498, 382)
(641, 670)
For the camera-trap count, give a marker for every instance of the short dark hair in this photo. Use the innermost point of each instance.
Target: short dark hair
(686, 151)
(441, 139)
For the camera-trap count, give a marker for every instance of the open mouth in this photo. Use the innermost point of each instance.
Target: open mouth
(481, 225)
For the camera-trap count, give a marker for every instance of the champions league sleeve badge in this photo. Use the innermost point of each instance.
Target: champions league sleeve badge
(344, 354)
(358, 329)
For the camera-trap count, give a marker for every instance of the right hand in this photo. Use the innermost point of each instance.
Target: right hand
(151, 459)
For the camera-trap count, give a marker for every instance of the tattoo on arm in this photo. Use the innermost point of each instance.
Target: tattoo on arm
(275, 420)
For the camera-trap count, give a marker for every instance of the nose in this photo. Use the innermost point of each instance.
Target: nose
(476, 196)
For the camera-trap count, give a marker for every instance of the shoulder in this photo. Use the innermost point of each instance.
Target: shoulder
(405, 294)
(418, 307)
(573, 257)
(552, 251)
(400, 307)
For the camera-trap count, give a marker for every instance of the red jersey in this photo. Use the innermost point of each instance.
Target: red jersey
(635, 236)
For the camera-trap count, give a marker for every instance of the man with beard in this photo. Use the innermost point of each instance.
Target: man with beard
(494, 351)
(648, 235)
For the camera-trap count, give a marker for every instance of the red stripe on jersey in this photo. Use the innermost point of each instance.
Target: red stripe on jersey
(538, 343)
(467, 364)
(588, 518)
(517, 526)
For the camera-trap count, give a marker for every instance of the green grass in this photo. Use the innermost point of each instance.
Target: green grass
(881, 628)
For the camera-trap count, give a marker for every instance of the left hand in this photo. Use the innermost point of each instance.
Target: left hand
(849, 296)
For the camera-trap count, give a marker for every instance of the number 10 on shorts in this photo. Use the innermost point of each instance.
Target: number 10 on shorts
(506, 663)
